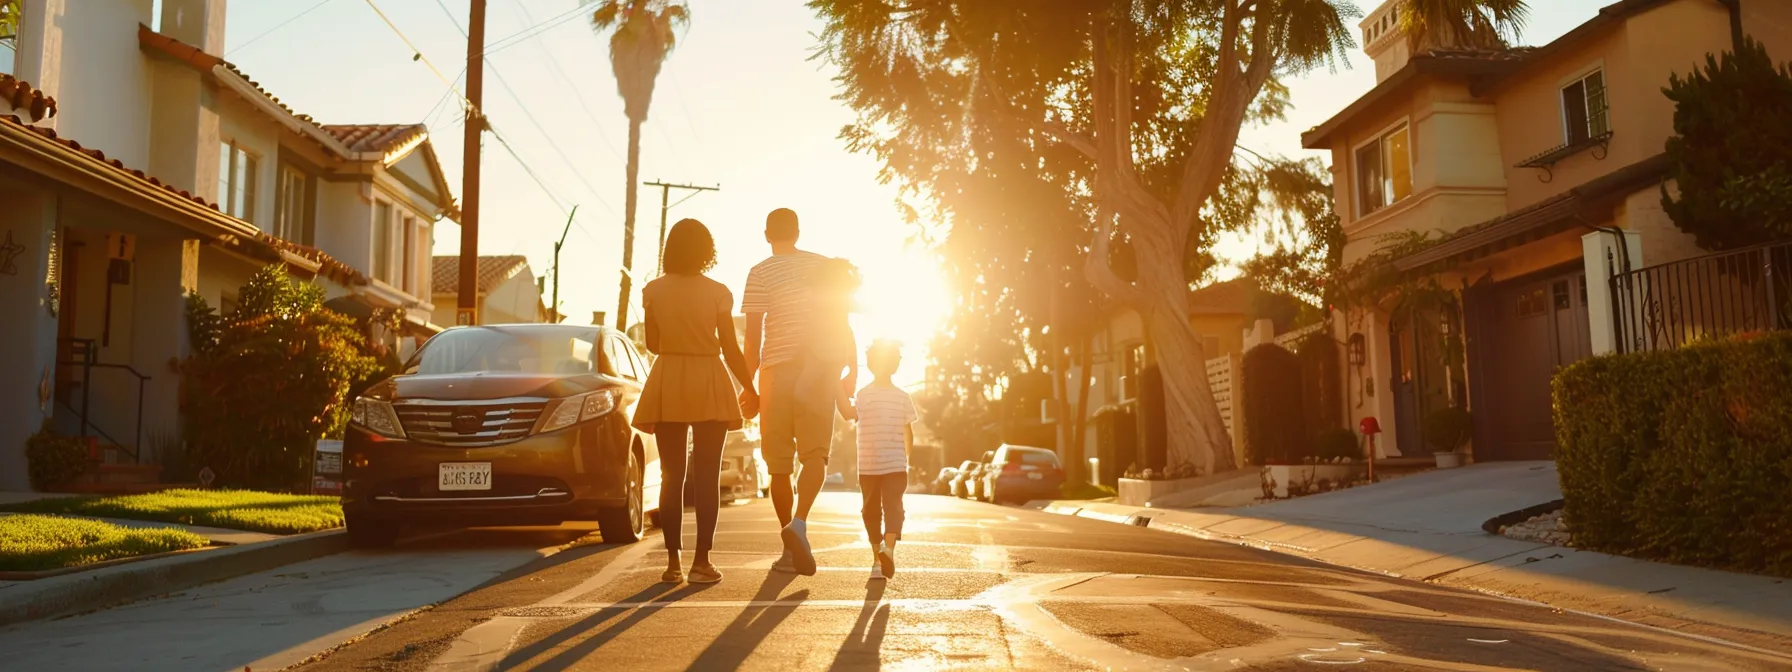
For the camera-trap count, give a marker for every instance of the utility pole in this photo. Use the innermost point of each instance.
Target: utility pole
(557, 245)
(665, 193)
(466, 304)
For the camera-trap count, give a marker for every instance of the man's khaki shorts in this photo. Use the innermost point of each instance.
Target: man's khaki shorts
(791, 432)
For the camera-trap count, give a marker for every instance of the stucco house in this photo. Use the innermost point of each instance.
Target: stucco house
(1535, 174)
(508, 290)
(137, 166)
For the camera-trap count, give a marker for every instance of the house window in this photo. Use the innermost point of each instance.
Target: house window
(1384, 170)
(382, 242)
(236, 181)
(290, 221)
(11, 19)
(1584, 109)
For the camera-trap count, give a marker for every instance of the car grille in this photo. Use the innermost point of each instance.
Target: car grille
(498, 424)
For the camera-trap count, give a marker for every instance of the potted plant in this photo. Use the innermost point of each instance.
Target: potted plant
(1448, 430)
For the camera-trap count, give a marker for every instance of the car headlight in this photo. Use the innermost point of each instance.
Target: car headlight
(376, 416)
(581, 408)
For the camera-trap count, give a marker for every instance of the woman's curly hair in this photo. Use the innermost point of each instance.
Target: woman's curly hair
(690, 250)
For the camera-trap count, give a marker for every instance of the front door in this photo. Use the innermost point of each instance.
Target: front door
(1423, 378)
(1535, 327)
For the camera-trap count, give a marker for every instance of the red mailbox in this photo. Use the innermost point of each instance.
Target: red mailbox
(1369, 427)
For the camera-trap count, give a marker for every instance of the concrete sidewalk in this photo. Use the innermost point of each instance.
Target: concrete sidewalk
(1427, 527)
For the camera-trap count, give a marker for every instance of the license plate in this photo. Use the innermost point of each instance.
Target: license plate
(464, 476)
(1036, 476)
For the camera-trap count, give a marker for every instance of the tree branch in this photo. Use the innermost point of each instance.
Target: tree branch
(1096, 268)
(1233, 94)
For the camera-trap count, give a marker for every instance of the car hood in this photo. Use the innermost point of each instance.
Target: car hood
(477, 386)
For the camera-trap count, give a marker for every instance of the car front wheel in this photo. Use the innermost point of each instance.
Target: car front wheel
(624, 524)
(364, 532)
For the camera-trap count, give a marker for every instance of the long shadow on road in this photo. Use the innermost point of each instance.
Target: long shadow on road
(660, 592)
(864, 645)
(736, 643)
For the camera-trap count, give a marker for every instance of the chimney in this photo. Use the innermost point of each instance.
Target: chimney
(196, 22)
(597, 317)
(1383, 41)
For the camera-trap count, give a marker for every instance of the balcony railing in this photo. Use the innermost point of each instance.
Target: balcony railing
(1673, 304)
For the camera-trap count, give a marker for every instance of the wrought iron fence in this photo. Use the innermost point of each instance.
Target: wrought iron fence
(1671, 305)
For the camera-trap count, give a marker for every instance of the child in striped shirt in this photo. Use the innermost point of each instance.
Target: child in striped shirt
(884, 414)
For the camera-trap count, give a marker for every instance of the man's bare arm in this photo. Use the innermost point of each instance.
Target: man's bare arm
(755, 331)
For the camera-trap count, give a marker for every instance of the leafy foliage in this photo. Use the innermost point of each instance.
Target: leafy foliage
(264, 384)
(1337, 443)
(267, 512)
(1682, 455)
(1309, 241)
(53, 460)
(974, 107)
(1275, 430)
(642, 35)
(1448, 429)
(1462, 24)
(1729, 150)
(40, 543)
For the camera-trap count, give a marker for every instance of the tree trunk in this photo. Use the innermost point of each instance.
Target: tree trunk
(1197, 433)
(1081, 426)
(628, 222)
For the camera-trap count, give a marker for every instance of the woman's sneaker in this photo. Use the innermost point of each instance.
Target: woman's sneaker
(877, 573)
(886, 559)
(796, 542)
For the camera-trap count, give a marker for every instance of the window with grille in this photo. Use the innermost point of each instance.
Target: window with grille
(1585, 113)
(382, 243)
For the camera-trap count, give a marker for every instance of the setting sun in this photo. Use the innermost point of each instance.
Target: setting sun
(903, 298)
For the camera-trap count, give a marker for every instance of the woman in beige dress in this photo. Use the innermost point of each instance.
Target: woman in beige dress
(690, 326)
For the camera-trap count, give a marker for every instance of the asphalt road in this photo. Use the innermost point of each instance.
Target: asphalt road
(985, 587)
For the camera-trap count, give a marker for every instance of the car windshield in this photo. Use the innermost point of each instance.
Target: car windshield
(1044, 458)
(536, 350)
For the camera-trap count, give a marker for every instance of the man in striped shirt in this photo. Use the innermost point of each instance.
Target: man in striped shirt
(778, 306)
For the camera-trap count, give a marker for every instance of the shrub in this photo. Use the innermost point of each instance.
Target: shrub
(267, 382)
(53, 460)
(1727, 157)
(1333, 444)
(1154, 432)
(1682, 455)
(1322, 383)
(1448, 429)
(1275, 430)
(1116, 439)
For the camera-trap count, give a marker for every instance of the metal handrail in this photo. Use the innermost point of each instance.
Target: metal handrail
(83, 349)
(1672, 304)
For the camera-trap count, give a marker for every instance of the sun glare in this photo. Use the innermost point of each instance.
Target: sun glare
(903, 299)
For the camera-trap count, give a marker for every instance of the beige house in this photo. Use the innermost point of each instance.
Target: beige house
(138, 167)
(508, 290)
(1536, 174)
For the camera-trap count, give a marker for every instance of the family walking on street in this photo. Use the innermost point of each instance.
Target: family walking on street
(799, 370)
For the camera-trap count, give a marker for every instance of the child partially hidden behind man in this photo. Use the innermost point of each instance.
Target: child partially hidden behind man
(885, 414)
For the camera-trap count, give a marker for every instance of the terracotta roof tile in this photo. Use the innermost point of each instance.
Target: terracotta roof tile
(493, 270)
(24, 98)
(97, 155)
(375, 137)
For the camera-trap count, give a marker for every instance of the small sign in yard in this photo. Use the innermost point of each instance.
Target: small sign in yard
(326, 468)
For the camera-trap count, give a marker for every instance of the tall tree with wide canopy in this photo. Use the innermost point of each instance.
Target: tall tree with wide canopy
(1152, 94)
(642, 35)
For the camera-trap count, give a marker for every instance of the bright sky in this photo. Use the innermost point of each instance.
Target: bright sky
(740, 104)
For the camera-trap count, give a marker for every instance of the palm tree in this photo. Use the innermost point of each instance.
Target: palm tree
(1462, 24)
(642, 34)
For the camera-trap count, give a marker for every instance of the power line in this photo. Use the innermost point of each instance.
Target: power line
(514, 38)
(277, 27)
(578, 91)
(417, 54)
(550, 138)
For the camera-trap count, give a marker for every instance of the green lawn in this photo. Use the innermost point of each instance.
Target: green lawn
(233, 509)
(36, 543)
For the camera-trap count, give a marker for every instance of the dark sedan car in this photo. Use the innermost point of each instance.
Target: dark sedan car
(503, 425)
(1018, 474)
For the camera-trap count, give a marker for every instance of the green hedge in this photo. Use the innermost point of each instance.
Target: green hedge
(1682, 455)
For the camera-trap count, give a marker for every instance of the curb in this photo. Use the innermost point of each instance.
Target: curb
(1636, 591)
(63, 595)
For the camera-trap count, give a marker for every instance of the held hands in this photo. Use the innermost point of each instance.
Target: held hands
(749, 404)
